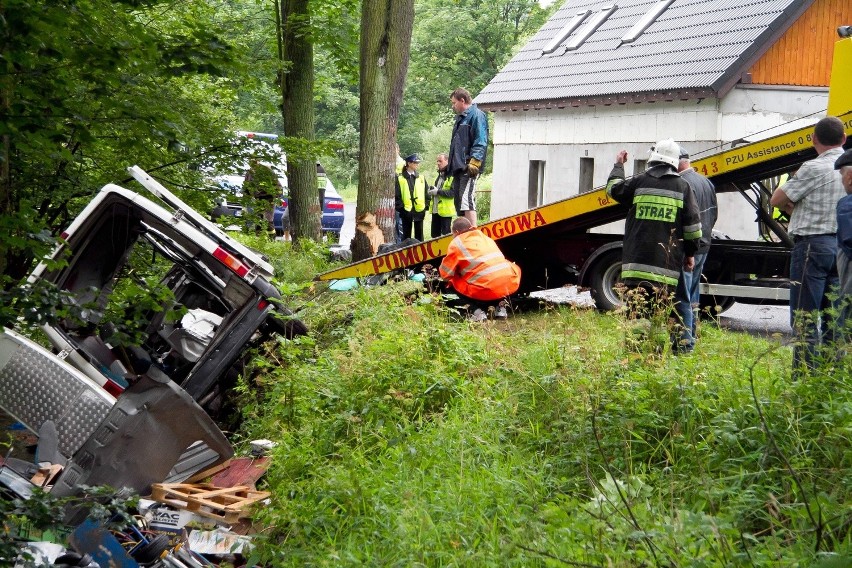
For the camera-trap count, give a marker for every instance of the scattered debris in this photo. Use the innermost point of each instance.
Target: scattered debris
(571, 295)
(226, 504)
(219, 542)
(261, 447)
(128, 408)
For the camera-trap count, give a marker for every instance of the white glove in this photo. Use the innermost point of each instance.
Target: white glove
(433, 192)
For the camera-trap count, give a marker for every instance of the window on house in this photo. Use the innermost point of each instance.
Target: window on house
(587, 174)
(572, 25)
(536, 186)
(589, 27)
(645, 21)
(639, 166)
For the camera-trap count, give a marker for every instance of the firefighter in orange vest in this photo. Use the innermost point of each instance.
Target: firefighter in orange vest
(478, 271)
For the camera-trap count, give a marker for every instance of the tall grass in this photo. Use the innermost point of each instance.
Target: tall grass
(409, 437)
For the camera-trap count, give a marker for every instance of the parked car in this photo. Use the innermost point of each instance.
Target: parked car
(228, 204)
(332, 210)
(160, 286)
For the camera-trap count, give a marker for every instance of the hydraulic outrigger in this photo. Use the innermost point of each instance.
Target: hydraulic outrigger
(553, 247)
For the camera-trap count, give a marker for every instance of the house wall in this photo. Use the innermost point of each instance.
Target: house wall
(560, 137)
(802, 55)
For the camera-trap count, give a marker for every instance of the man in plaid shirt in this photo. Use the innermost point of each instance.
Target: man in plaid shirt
(810, 197)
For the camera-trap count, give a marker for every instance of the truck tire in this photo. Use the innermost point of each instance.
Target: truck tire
(603, 277)
(712, 306)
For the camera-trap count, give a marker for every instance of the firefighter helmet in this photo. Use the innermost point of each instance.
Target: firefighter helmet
(666, 151)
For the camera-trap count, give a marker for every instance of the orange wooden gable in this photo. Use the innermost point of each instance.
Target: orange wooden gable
(802, 56)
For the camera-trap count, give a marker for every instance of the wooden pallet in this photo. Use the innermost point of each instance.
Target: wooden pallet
(227, 504)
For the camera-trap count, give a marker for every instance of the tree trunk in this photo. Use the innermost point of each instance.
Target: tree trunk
(6, 206)
(385, 43)
(297, 90)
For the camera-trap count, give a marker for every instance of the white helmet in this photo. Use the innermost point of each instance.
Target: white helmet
(666, 151)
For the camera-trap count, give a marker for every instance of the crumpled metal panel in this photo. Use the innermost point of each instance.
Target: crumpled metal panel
(154, 433)
(35, 386)
(144, 436)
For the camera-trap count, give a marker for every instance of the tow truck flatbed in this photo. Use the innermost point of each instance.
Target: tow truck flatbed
(553, 247)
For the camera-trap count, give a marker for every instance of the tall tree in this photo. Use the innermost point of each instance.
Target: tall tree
(386, 27)
(297, 89)
(460, 43)
(89, 87)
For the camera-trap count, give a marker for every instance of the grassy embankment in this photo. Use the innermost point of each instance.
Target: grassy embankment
(408, 437)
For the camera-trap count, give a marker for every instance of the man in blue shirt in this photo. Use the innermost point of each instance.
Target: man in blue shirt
(467, 152)
(844, 242)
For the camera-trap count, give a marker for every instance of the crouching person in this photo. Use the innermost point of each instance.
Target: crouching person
(478, 272)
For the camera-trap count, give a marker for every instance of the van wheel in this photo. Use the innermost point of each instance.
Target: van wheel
(603, 277)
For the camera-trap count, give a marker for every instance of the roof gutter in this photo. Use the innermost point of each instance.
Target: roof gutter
(606, 100)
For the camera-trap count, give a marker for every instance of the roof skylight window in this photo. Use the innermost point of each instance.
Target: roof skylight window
(566, 30)
(649, 18)
(589, 27)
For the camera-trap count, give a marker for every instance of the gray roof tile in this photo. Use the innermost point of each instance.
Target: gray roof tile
(694, 45)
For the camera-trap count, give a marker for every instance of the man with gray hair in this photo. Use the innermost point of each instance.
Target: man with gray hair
(687, 295)
(443, 199)
(810, 196)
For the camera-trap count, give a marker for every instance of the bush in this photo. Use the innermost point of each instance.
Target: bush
(483, 206)
(410, 437)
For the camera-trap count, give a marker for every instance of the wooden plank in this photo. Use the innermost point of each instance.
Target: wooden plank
(45, 475)
(241, 471)
(226, 504)
(209, 472)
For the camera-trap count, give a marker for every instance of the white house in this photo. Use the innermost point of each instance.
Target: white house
(606, 75)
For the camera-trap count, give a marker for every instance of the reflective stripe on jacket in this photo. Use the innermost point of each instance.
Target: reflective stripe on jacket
(418, 193)
(662, 226)
(477, 269)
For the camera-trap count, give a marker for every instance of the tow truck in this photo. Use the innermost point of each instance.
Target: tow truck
(553, 246)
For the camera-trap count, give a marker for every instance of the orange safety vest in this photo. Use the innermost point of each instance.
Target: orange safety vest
(477, 269)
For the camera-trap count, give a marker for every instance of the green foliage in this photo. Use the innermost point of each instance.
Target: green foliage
(294, 269)
(460, 43)
(91, 88)
(483, 205)
(408, 437)
(39, 518)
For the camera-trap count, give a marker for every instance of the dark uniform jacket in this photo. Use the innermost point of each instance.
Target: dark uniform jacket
(663, 224)
(469, 139)
(708, 208)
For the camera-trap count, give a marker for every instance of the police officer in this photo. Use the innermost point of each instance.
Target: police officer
(411, 198)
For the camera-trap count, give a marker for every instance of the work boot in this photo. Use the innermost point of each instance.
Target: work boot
(501, 312)
(477, 315)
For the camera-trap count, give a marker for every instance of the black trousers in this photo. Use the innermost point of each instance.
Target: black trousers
(409, 222)
(441, 225)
